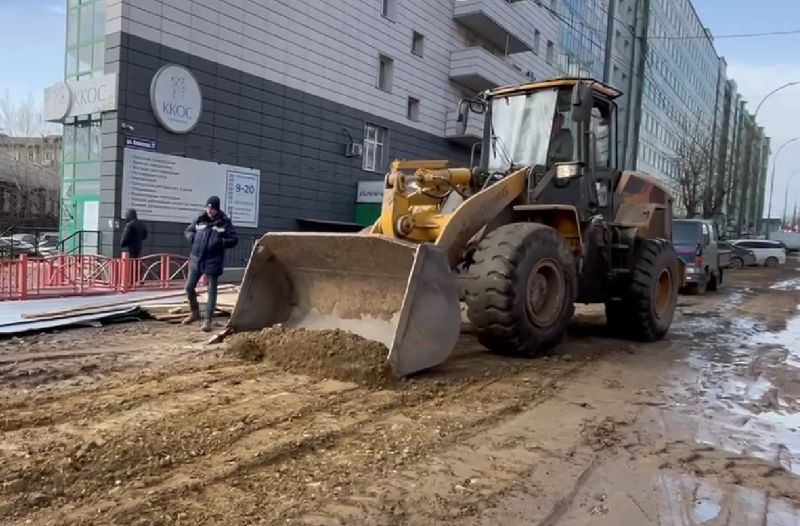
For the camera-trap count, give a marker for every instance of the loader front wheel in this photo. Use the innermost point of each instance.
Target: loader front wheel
(648, 306)
(520, 289)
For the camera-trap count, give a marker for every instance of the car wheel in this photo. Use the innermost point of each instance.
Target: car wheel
(737, 263)
(771, 262)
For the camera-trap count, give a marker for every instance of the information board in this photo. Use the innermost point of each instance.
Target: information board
(174, 189)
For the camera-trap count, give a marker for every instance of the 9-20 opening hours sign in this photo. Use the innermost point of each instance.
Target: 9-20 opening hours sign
(175, 189)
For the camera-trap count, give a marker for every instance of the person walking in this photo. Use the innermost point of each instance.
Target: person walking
(133, 235)
(210, 235)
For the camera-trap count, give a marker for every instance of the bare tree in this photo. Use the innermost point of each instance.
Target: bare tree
(693, 169)
(29, 165)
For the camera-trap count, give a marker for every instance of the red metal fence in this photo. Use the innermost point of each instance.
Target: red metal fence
(84, 274)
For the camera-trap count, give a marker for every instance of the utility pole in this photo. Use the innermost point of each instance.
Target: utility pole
(638, 70)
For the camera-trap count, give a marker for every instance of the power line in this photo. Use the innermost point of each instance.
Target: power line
(717, 37)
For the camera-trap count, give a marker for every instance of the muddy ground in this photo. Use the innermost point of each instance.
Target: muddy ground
(144, 424)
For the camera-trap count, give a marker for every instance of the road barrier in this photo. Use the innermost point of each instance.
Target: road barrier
(85, 274)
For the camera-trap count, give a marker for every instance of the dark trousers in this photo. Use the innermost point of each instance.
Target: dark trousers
(191, 293)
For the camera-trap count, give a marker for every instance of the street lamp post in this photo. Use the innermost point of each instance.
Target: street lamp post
(786, 197)
(773, 92)
(749, 149)
(772, 183)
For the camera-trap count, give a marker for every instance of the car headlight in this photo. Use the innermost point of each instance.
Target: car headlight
(691, 269)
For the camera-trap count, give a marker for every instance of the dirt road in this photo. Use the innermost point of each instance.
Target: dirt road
(143, 424)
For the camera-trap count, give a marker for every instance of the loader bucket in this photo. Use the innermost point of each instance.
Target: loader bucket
(400, 294)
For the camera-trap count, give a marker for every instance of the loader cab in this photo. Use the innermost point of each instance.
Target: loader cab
(567, 127)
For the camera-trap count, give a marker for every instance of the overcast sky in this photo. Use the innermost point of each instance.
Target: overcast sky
(32, 40)
(759, 65)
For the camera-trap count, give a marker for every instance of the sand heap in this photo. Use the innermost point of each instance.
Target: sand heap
(336, 354)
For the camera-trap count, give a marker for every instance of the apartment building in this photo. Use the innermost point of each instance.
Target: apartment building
(29, 181)
(680, 96)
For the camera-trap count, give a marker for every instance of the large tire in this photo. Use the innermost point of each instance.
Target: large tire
(646, 310)
(520, 289)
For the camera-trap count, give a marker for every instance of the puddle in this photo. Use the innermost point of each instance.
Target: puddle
(742, 369)
(688, 501)
(788, 338)
(789, 284)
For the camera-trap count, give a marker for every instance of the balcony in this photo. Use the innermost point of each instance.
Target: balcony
(476, 69)
(497, 21)
(465, 133)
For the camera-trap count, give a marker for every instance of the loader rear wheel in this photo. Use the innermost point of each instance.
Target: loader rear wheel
(648, 306)
(520, 289)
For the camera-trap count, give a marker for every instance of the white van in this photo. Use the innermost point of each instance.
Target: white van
(768, 253)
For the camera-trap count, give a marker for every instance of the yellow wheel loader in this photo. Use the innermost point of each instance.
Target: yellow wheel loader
(544, 220)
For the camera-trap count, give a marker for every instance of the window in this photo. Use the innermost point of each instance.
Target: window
(601, 131)
(388, 8)
(550, 52)
(412, 112)
(537, 36)
(85, 39)
(374, 147)
(385, 73)
(417, 44)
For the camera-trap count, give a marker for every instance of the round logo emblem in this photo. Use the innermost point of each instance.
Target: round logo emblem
(57, 101)
(176, 98)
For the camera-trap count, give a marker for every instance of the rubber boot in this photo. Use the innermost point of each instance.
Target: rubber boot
(191, 318)
(206, 324)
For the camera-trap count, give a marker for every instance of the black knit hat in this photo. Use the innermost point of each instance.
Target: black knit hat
(213, 202)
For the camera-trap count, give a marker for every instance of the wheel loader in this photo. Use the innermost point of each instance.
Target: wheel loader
(543, 220)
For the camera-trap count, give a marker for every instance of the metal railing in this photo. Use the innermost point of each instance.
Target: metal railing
(86, 274)
(76, 243)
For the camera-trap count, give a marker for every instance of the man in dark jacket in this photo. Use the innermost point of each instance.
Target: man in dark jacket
(210, 234)
(133, 235)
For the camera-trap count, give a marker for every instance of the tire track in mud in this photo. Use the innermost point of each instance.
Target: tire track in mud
(112, 396)
(71, 467)
(333, 460)
(265, 461)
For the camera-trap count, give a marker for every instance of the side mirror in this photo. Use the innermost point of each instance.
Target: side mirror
(477, 107)
(582, 99)
(469, 106)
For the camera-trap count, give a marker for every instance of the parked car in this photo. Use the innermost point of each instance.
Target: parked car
(11, 248)
(48, 243)
(790, 239)
(768, 253)
(740, 257)
(30, 239)
(697, 243)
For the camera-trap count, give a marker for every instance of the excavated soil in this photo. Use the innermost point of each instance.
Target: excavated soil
(334, 354)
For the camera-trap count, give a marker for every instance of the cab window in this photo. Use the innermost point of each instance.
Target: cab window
(601, 132)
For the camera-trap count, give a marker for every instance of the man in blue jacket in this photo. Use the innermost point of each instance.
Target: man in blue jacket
(210, 234)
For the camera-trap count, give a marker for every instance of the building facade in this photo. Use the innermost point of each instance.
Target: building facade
(283, 108)
(680, 97)
(29, 182)
(314, 97)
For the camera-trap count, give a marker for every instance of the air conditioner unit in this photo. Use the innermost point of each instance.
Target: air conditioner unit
(354, 150)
